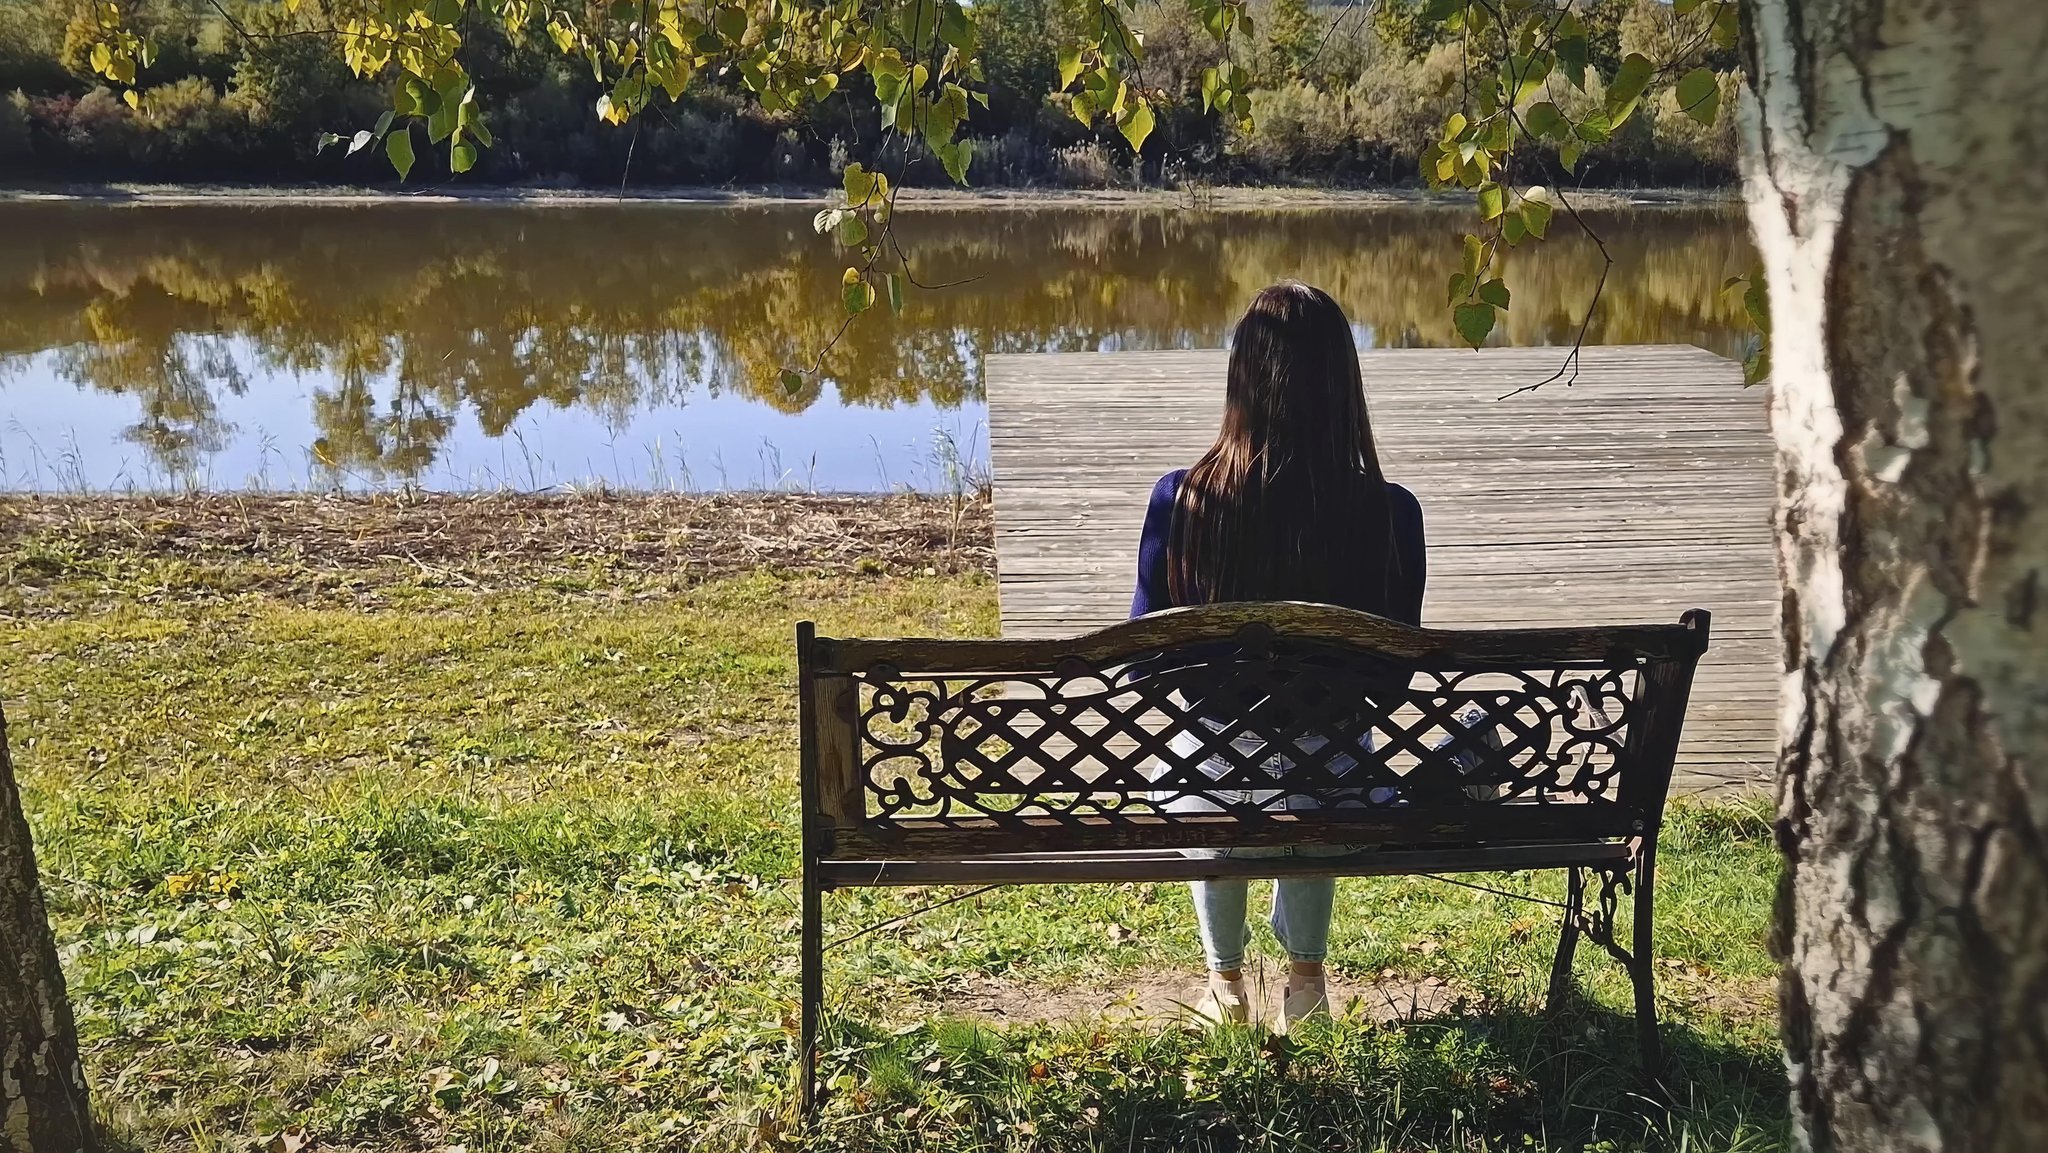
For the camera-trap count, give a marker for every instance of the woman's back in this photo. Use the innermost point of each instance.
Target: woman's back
(1289, 503)
(1398, 598)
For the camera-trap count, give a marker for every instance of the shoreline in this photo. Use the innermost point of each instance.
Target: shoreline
(486, 541)
(1235, 198)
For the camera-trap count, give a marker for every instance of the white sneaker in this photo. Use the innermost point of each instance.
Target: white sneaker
(1302, 1002)
(1225, 1002)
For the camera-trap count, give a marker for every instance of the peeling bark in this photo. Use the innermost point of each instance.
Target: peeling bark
(42, 1086)
(1894, 168)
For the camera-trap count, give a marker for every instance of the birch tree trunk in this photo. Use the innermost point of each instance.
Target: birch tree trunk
(42, 1087)
(1896, 169)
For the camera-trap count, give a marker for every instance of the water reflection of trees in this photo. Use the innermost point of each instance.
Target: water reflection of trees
(614, 309)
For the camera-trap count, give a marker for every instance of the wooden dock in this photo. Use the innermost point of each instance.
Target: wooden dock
(1639, 491)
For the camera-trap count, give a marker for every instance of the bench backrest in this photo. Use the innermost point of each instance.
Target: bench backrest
(1240, 724)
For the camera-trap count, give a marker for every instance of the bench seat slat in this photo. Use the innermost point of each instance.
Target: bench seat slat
(1155, 865)
(974, 837)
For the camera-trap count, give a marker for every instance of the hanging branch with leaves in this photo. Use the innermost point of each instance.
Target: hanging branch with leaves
(1535, 99)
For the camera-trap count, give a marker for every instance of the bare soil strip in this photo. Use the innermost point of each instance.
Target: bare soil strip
(490, 539)
(1156, 995)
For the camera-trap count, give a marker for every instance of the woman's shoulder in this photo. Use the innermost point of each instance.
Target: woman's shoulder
(1168, 486)
(1403, 500)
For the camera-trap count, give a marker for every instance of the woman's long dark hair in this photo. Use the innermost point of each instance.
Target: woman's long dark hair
(1290, 503)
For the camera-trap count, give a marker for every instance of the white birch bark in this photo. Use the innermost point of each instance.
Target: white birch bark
(1895, 175)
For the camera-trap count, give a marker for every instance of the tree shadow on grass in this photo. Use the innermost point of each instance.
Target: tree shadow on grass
(1494, 1080)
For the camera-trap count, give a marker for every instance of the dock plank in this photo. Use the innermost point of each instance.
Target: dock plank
(1640, 490)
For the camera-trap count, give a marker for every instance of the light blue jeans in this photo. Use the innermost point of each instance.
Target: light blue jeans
(1301, 905)
(1300, 918)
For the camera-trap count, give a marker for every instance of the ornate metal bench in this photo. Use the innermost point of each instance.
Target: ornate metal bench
(1100, 758)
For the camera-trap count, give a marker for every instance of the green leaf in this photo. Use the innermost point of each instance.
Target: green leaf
(731, 22)
(398, 146)
(895, 284)
(1683, 7)
(1568, 154)
(461, 156)
(1495, 292)
(1571, 59)
(850, 230)
(1594, 129)
(324, 141)
(421, 99)
(1543, 119)
(1491, 200)
(1532, 72)
(953, 157)
(1136, 125)
(1459, 288)
(1757, 365)
(1727, 29)
(955, 29)
(1499, 134)
(1070, 66)
(1474, 321)
(792, 381)
(859, 183)
(856, 293)
(1629, 81)
(1512, 227)
(1699, 95)
(1536, 212)
(1454, 128)
(441, 125)
(384, 123)
(1475, 255)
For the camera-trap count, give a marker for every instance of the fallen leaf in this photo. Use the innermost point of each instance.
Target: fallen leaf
(290, 1140)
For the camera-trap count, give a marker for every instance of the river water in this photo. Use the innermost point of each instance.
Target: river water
(634, 345)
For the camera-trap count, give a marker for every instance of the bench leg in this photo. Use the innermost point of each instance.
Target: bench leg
(812, 995)
(1638, 960)
(1643, 965)
(1567, 941)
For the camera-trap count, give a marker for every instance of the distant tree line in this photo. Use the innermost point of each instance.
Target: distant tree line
(1344, 95)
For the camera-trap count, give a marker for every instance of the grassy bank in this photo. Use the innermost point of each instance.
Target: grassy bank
(421, 825)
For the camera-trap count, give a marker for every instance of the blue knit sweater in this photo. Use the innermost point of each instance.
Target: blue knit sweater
(1404, 604)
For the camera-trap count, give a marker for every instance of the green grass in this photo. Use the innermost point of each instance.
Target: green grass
(412, 867)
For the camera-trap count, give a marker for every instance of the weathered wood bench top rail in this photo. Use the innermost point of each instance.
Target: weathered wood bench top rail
(1226, 622)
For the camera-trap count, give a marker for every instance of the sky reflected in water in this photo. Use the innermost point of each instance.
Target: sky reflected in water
(484, 347)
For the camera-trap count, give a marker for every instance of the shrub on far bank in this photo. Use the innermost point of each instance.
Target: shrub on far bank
(14, 145)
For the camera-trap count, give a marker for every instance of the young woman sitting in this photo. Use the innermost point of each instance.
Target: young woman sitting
(1289, 504)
